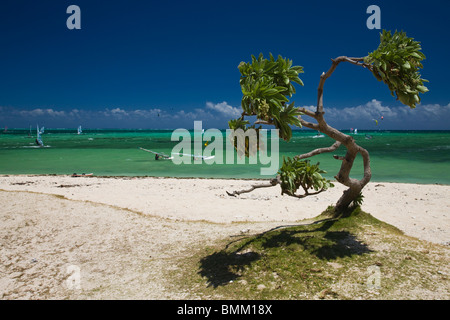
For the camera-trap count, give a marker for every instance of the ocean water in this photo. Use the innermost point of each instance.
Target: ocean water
(396, 156)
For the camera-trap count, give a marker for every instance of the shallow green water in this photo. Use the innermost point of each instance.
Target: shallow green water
(396, 156)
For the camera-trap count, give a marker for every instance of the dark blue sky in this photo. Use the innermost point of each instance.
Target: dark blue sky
(164, 64)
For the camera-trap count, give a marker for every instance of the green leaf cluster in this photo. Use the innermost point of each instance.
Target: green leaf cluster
(238, 124)
(396, 62)
(358, 200)
(296, 173)
(267, 85)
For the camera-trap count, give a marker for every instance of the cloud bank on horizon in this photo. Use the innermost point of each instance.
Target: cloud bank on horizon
(217, 115)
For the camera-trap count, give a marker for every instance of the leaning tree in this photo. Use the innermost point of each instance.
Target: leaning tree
(267, 86)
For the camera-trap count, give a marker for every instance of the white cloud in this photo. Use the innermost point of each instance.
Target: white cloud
(41, 112)
(371, 110)
(428, 116)
(119, 112)
(401, 117)
(437, 111)
(224, 108)
(150, 113)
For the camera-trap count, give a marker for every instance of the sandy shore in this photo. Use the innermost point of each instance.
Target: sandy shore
(110, 228)
(422, 211)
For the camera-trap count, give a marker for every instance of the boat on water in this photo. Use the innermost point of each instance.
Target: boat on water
(195, 156)
(158, 155)
(79, 131)
(318, 135)
(39, 141)
(163, 156)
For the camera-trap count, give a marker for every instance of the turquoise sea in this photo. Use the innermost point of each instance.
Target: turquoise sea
(396, 156)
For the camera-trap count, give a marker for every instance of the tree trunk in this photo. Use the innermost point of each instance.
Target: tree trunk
(343, 176)
(355, 186)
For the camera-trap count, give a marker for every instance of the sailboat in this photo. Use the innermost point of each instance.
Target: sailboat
(318, 135)
(39, 141)
(194, 156)
(79, 130)
(163, 156)
(158, 155)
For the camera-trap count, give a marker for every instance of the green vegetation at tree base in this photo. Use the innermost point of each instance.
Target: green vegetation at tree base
(320, 259)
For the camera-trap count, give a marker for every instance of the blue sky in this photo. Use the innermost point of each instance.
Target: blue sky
(163, 64)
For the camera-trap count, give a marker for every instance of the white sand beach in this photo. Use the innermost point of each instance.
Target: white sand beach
(111, 227)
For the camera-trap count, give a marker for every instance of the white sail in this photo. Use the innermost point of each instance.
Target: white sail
(194, 156)
(158, 155)
(79, 130)
(39, 138)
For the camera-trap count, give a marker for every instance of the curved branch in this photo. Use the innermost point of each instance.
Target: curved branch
(272, 183)
(307, 112)
(331, 148)
(243, 114)
(259, 121)
(366, 163)
(357, 61)
(300, 196)
(325, 76)
(343, 175)
(307, 124)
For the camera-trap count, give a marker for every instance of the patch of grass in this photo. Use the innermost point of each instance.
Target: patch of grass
(355, 257)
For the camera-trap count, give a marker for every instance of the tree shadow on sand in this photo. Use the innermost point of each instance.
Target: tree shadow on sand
(228, 264)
